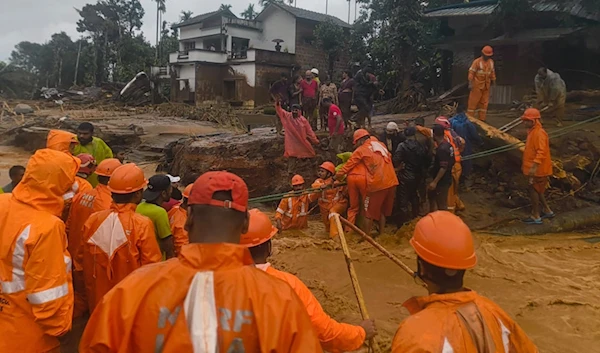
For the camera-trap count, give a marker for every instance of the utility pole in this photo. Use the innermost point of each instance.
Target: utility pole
(326, 6)
(77, 62)
(157, 29)
(349, 2)
(355, 7)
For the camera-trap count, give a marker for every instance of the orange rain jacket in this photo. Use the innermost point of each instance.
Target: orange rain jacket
(293, 211)
(115, 243)
(331, 200)
(378, 162)
(83, 206)
(462, 322)
(537, 150)
(60, 140)
(334, 336)
(482, 73)
(177, 218)
(210, 296)
(36, 294)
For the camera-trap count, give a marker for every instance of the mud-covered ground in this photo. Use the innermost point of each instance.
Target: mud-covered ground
(549, 284)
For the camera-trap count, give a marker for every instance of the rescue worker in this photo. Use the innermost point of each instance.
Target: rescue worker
(117, 241)
(209, 298)
(15, 173)
(158, 191)
(83, 206)
(458, 143)
(87, 168)
(441, 172)
(380, 174)
(177, 217)
(482, 76)
(411, 159)
(537, 166)
(424, 136)
(334, 336)
(298, 135)
(88, 143)
(292, 212)
(36, 296)
(356, 185)
(332, 198)
(63, 141)
(453, 318)
(551, 91)
(392, 136)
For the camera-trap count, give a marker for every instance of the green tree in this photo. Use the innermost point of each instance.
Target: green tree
(249, 13)
(330, 39)
(225, 7)
(185, 15)
(264, 3)
(14, 81)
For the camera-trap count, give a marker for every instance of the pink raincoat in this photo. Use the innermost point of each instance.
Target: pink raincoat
(298, 135)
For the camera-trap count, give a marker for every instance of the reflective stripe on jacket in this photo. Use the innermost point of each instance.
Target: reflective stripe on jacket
(293, 211)
(209, 299)
(36, 293)
(482, 73)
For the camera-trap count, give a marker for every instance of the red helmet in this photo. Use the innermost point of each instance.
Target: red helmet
(328, 166)
(444, 240)
(88, 163)
(297, 180)
(487, 51)
(260, 229)
(358, 134)
(443, 121)
(531, 114)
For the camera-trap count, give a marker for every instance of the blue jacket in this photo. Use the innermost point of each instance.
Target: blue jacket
(465, 129)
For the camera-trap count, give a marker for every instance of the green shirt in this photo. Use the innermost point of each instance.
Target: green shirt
(158, 216)
(97, 148)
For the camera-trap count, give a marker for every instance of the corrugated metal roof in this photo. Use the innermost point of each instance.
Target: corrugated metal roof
(311, 15)
(462, 11)
(541, 34)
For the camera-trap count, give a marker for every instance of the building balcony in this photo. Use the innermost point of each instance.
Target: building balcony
(162, 72)
(238, 22)
(198, 55)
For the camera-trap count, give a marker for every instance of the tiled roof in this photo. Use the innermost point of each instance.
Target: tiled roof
(202, 17)
(311, 15)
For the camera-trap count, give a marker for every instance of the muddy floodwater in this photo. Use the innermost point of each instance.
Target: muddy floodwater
(549, 284)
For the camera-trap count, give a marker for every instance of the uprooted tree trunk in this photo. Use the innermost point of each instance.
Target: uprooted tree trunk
(500, 138)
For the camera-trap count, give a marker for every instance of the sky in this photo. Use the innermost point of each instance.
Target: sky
(35, 21)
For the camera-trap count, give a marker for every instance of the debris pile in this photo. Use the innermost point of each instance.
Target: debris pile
(220, 115)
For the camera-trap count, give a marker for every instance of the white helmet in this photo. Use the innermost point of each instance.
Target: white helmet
(392, 126)
(315, 71)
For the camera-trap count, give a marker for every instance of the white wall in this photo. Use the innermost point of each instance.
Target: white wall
(193, 31)
(278, 24)
(188, 71)
(249, 70)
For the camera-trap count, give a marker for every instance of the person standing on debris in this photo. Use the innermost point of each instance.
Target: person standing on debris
(412, 160)
(467, 131)
(453, 318)
(392, 136)
(335, 123)
(90, 144)
(83, 206)
(356, 181)
(551, 91)
(332, 198)
(334, 336)
(298, 135)
(441, 172)
(177, 218)
(381, 177)
(310, 97)
(296, 92)
(117, 241)
(158, 191)
(458, 144)
(363, 94)
(537, 166)
(292, 212)
(280, 91)
(327, 90)
(36, 296)
(15, 173)
(346, 96)
(482, 76)
(217, 299)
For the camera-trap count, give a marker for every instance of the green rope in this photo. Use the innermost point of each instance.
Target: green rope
(277, 197)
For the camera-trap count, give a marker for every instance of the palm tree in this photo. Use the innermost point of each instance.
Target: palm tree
(160, 9)
(225, 7)
(264, 3)
(249, 13)
(185, 15)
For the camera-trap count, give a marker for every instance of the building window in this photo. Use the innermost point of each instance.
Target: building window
(189, 45)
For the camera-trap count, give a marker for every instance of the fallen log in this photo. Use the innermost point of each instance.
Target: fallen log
(500, 138)
(562, 223)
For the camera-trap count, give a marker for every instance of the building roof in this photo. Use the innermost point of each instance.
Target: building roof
(311, 15)
(204, 16)
(486, 7)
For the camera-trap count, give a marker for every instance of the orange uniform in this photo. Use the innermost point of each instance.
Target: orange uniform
(60, 140)
(457, 142)
(36, 296)
(115, 243)
(331, 200)
(209, 299)
(462, 322)
(293, 211)
(481, 76)
(537, 150)
(177, 218)
(334, 336)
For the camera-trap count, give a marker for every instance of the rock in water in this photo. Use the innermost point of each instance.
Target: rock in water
(23, 109)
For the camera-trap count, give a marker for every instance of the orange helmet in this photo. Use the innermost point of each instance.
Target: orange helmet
(126, 179)
(187, 191)
(260, 229)
(87, 163)
(444, 240)
(531, 114)
(328, 166)
(297, 180)
(358, 134)
(108, 166)
(487, 51)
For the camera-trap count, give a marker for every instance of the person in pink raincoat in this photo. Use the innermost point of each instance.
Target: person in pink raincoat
(298, 134)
